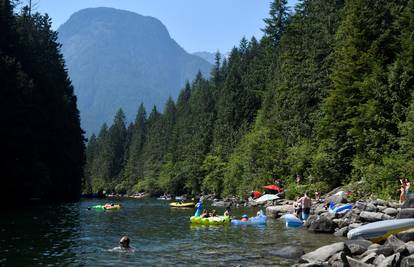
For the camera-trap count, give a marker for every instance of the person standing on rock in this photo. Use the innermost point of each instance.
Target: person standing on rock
(305, 202)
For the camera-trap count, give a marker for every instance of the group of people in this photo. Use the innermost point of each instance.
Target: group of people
(213, 213)
(404, 189)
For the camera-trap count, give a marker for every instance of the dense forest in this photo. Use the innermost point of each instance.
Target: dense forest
(41, 139)
(325, 94)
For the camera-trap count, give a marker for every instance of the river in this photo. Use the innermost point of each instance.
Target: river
(70, 234)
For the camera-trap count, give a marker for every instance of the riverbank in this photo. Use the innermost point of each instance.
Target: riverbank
(395, 251)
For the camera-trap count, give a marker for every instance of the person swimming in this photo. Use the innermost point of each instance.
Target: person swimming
(244, 218)
(124, 245)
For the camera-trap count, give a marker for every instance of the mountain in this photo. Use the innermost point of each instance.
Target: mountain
(207, 56)
(118, 59)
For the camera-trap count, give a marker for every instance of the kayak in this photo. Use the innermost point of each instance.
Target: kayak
(340, 209)
(217, 220)
(258, 220)
(292, 221)
(378, 231)
(182, 205)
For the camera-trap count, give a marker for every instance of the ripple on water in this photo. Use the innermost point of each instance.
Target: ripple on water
(72, 235)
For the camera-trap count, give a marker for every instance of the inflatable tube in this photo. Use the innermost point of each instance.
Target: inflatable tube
(258, 220)
(182, 205)
(112, 207)
(218, 220)
(98, 207)
(378, 231)
(292, 221)
(340, 209)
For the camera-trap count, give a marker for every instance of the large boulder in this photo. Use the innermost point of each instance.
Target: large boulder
(322, 254)
(338, 260)
(277, 211)
(396, 244)
(322, 225)
(406, 213)
(358, 246)
(337, 199)
(390, 211)
(371, 207)
(373, 216)
(390, 261)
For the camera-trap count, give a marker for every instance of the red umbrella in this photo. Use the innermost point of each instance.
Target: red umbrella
(273, 187)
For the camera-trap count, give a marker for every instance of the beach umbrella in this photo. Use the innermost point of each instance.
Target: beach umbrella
(273, 187)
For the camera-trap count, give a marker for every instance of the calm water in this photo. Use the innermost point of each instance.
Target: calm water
(72, 235)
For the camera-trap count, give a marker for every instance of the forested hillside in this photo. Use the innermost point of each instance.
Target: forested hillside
(41, 138)
(325, 94)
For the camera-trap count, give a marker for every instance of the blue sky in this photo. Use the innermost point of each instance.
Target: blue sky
(197, 25)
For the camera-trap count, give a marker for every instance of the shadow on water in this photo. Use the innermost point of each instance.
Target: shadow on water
(73, 235)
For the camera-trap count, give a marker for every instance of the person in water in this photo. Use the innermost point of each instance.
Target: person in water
(213, 213)
(227, 212)
(204, 214)
(124, 245)
(305, 203)
(244, 218)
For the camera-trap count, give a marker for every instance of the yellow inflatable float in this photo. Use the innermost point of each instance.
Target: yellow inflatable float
(182, 205)
(217, 220)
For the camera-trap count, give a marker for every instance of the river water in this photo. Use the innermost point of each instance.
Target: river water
(72, 235)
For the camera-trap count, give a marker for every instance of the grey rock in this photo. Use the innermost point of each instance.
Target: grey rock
(406, 236)
(319, 210)
(379, 259)
(406, 213)
(378, 250)
(371, 216)
(369, 258)
(380, 202)
(390, 261)
(371, 208)
(407, 261)
(312, 264)
(358, 246)
(276, 211)
(322, 254)
(356, 263)
(310, 220)
(396, 244)
(360, 205)
(289, 252)
(394, 205)
(390, 211)
(338, 260)
(336, 199)
(374, 246)
(410, 247)
(381, 208)
(342, 231)
(221, 204)
(322, 225)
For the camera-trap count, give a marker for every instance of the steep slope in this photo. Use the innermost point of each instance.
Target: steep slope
(117, 59)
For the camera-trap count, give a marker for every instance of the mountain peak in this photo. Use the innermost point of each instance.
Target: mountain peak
(117, 59)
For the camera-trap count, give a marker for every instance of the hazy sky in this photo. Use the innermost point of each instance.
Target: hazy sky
(197, 25)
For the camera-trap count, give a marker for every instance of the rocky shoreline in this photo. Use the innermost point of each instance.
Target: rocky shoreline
(395, 251)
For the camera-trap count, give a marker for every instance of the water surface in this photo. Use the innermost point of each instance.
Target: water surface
(72, 235)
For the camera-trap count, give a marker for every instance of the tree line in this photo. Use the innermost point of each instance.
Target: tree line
(41, 138)
(325, 94)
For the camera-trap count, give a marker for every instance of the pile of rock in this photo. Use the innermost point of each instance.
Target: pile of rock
(363, 212)
(396, 251)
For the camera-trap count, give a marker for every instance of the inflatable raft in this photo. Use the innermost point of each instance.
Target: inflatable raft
(182, 205)
(106, 207)
(292, 221)
(339, 209)
(217, 220)
(378, 231)
(258, 220)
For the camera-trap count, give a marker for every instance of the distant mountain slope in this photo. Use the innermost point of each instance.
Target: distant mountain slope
(209, 57)
(118, 59)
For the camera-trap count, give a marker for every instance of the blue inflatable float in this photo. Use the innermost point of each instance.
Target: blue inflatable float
(258, 220)
(292, 221)
(340, 209)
